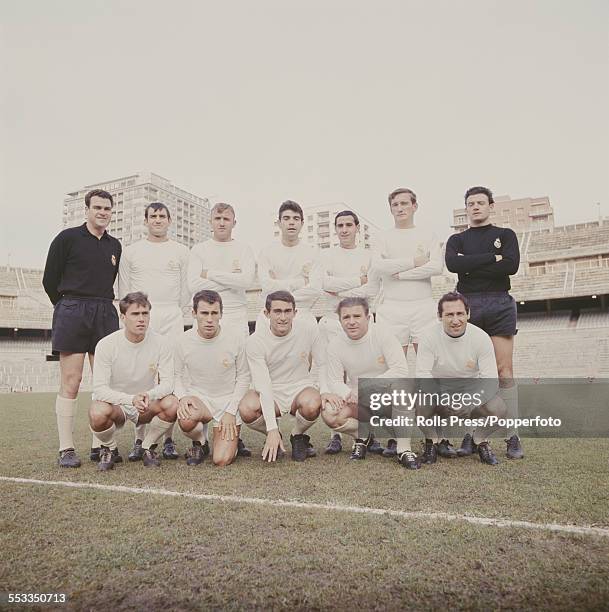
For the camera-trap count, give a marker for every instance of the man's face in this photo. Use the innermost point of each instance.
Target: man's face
(222, 224)
(99, 213)
(281, 316)
(208, 318)
(478, 209)
(454, 318)
(354, 321)
(136, 319)
(402, 208)
(346, 230)
(290, 224)
(157, 222)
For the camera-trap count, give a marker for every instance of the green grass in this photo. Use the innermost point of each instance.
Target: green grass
(128, 551)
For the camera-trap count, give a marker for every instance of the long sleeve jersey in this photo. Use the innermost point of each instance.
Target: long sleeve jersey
(342, 270)
(378, 354)
(80, 264)
(279, 362)
(123, 369)
(290, 266)
(231, 269)
(468, 356)
(397, 251)
(156, 268)
(214, 368)
(471, 254)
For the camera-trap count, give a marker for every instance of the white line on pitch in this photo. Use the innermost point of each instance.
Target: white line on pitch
(261, 501)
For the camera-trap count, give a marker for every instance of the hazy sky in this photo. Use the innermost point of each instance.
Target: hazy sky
(317, 101)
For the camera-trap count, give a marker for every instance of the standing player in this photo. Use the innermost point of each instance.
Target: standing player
(211, 378)
(224, 265)
(485, 256)
(454, 349)
(409, 257)
(285, 362)
(227, 266)
(345, 274)
(290, 265)
(157, 266)
(132, 379)
(361, 351)
(79, 275)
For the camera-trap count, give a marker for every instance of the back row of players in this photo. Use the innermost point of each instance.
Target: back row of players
(288, 349)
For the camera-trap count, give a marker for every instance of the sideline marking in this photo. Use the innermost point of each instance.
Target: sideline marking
(475, 520)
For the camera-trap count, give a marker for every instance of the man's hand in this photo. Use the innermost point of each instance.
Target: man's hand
(187, 410)
(272, 445)
(228, 426)
(363, 279)
(204, 274)
(140, 401)
(352, 398)
(498, 258)
(332, 401)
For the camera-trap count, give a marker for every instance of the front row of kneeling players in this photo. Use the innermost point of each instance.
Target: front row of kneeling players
(219, 377)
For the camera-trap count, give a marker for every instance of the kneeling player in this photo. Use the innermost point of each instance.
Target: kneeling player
(454, 349)
(211, 377)
(132, 380)
(363, 351)
(284, 366)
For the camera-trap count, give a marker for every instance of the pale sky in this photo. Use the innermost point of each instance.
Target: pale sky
(317, 101)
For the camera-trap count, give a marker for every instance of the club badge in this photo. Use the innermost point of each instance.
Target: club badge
(381, 360)
(497, 243)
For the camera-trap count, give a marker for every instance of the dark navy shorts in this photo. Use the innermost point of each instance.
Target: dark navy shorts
(494, 312)
(80, 323)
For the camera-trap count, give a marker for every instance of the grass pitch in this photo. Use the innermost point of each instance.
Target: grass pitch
(142, 551)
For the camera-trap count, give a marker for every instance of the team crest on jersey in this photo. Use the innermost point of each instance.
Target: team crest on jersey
(497, 243)
(226, 362)
(363, 270)
(381, 360)
(306, 268)
(470, 365)
(236, 265)
(152, 367)
(113, 259)
(304, 356)
(173, 265)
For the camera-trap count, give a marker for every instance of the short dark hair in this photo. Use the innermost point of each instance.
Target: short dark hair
(279, 296)
(100, 193)
(207, 296)
(353, 301)
(453, 296)
(478, 189)
(156, 206)
(346, 213)
(293, 206)
(135, 297)
(395, 192)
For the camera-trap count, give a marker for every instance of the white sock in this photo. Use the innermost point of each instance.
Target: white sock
(140, 432)
(155, 430)
(204, 430)
(403, 445)
(301, 424)
(105, 437)
(65, 410)
(258, 425)
(169, 432)
(195, 434)
(510, 396)
(350, 427)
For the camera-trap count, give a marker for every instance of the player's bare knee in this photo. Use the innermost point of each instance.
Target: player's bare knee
(187, 425)
(331, 418)
(70, 384)
(249, 407)
(100, 414)
(222, 459)
(169, 408)
(309, 406)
